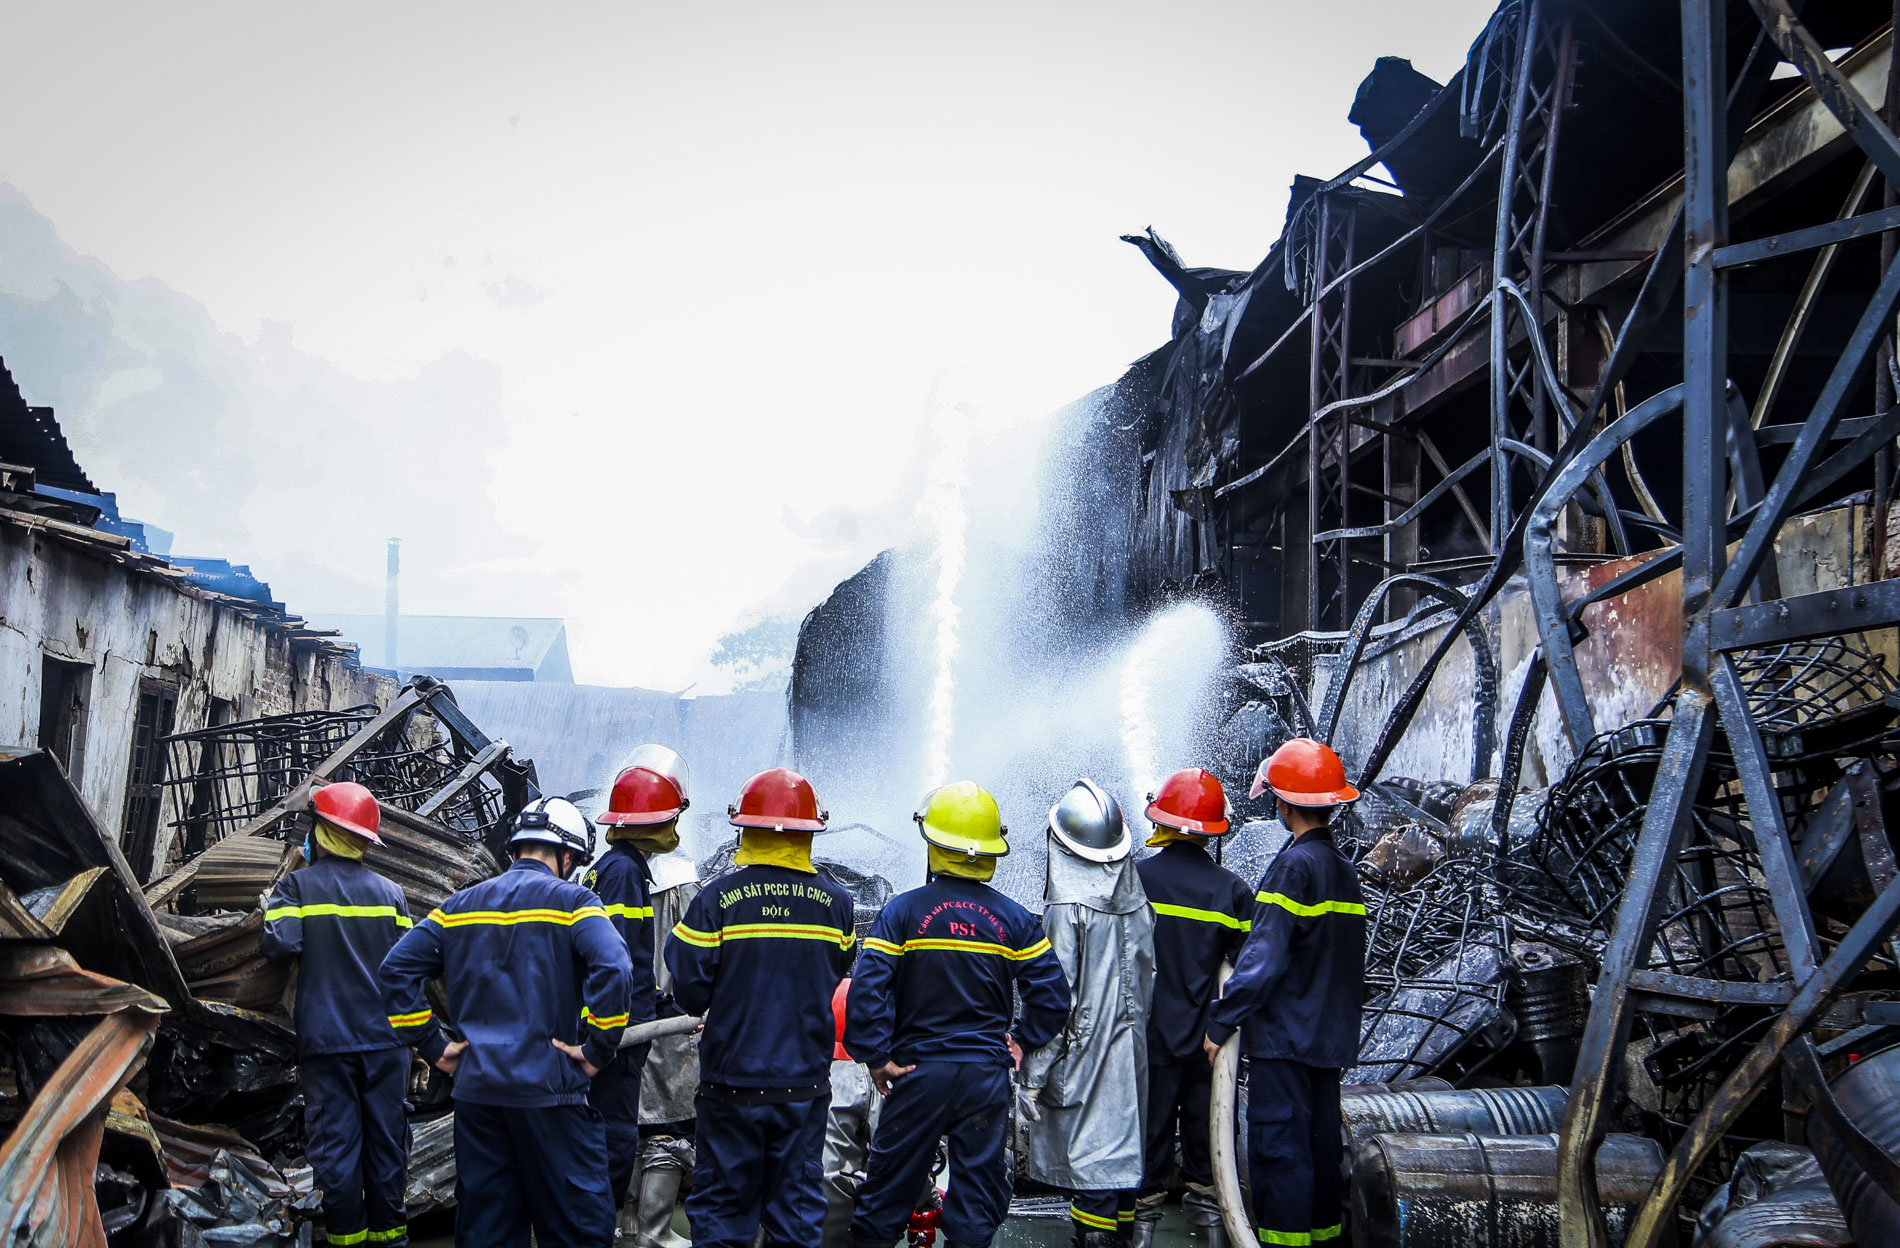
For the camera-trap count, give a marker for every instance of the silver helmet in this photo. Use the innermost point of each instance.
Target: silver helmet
(1089, 824)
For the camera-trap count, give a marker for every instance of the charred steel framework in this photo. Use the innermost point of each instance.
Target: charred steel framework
(1717, 624)
(248, 778)
(1717, 765)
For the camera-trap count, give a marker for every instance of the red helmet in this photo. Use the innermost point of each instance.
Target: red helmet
(1192, 801)
(351, 807)
(779, 799)
(1304, 772)
(652, 788)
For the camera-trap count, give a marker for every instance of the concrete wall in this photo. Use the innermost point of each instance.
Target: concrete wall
(72, 601)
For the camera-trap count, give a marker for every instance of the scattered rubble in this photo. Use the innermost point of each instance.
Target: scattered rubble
(147, 1057)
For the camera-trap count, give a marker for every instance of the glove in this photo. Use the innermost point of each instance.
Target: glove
(1026, 1101)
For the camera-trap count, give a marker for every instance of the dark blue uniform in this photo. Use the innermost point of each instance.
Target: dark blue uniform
(760, 952)
(1203, 913)
(1297, 989)
(933, 990)
(527, 958)
(625, 887)
(338, 919)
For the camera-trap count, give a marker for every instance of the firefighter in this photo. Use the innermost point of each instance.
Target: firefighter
(537, 983)
(1297, 989)
(337, 919)
(929, 1014)
(1202, 914)
(670, 1082)
(760, 952)
(850, 1124)
(642, 819)
(1088, 1085)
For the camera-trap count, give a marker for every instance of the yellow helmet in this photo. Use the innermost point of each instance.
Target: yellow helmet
(962, 817)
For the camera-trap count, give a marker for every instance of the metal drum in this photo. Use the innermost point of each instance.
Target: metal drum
(1424, 1083)
(1868, 1093)
(1551, 1002)
(1486, 1111)
(1499, 1191)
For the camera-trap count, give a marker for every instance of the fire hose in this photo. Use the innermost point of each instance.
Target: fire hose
(678, 1025)
(1223, 1112)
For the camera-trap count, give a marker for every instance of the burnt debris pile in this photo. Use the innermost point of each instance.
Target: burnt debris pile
(147, 1048)
(1489, 926)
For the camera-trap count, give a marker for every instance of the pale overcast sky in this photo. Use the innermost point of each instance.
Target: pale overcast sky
(721, 256)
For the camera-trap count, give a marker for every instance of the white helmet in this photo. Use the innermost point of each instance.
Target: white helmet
(554, 821)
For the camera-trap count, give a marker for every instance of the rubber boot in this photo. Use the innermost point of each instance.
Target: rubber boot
(658, 1188)
(1202, 1208)
(1147, 1219)
(1100, 1239)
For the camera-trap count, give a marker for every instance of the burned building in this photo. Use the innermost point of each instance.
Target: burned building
(107, 647)
(1584, 375)
(1546, 466)
(164, 726)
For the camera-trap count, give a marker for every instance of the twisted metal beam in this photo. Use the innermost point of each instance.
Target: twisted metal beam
(1484, 723)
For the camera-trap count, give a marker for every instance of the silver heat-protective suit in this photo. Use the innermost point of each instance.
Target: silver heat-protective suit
(668, 1082)
(1092, 1080)
(670, 1078)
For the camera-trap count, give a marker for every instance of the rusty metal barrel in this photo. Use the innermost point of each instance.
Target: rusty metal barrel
(1485, 1111)
(1424, 1083)
(1455, 1191)
(1868, 1093)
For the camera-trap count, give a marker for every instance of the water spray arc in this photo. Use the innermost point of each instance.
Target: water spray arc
(944, 511)
(1164, 679)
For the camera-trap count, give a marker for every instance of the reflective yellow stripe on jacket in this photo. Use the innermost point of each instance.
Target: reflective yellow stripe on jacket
(1305, 911)
(605, 1024)
(617, 911)
(342, 912)
(1301, 1239)
(411, 1020)
(508, 918)
(958, 946)
(764, 931)
(1202, 916)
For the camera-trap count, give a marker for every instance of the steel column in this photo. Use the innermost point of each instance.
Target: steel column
(1705, 487)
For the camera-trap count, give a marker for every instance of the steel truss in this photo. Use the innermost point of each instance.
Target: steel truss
(1712, 708)
(1540, 91)
(1329, 438)
(1534, 88)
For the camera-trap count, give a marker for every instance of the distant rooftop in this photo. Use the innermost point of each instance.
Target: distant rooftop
(31, 436)
(43, 487)
(460, 647)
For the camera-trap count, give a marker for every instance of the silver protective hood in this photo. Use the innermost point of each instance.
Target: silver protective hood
(671, 871)
(1110, 887)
